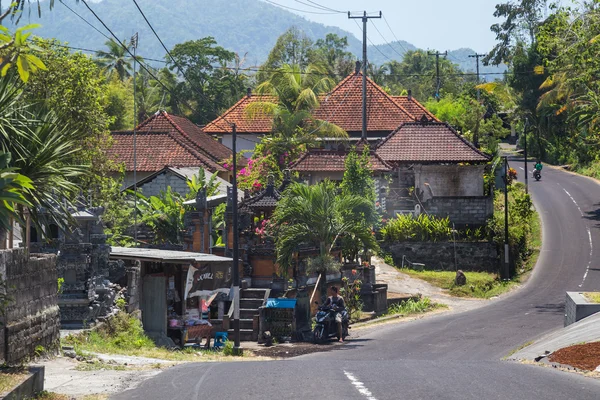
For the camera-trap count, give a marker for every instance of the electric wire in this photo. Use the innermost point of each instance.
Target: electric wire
(142, 64)
(319, 7)
(372, 44)
(393, 34)
(385, 40)
(298, 10)
(84, 20)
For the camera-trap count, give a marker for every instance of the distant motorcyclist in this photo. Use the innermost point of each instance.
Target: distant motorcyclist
(336, 302)
(538, 165)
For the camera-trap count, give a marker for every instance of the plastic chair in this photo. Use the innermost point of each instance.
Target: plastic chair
(220, 339)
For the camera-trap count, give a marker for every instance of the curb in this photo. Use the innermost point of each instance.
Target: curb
(30, 387)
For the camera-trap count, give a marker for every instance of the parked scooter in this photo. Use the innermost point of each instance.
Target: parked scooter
(326, 327)
(537, 174)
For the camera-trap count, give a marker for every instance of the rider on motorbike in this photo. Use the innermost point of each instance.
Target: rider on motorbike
(336, 302)
(538, 165)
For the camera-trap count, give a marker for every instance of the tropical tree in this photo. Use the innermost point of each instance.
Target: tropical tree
(116, 60)
(317, 216)
(295, 93)
(12, 188)
(43, 148)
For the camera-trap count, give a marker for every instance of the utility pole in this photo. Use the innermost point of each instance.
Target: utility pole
(237, 349)
(506, 270)
(525, 150)
(476, 133)
(365, 19)
(437, 55)
(134, 44)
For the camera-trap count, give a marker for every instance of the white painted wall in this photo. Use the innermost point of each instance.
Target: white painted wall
(244, 141)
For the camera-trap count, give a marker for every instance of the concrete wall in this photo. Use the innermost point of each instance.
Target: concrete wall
(162, 182)
(449, 180)
(32, 315)
(243, 142)
(470, 256)
(472, 211)
(128, 179)
(577, 307)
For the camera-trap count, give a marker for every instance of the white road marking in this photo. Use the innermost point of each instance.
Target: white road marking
(360, 386)
(587, 269)
(573, 200)
(522, 169)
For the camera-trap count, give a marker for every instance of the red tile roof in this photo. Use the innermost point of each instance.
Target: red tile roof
(414, 107)
(333, 161)
(428, 142)
(342, 106)
(244, 124)
(168, 140)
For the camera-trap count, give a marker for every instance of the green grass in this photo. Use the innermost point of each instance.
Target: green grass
(592, 297)
(412, 306)
(9, 378)
(97, 366)
(483, 285)
(124, 335)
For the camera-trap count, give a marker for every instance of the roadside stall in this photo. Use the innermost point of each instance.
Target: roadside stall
(182, 295)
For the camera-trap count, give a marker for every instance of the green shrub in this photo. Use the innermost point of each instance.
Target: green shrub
(424, 228)
(228, 348)
(412, 306)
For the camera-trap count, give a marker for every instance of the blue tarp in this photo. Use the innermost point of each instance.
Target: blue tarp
(281, 303)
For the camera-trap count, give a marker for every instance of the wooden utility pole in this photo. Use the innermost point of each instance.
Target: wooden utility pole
(437, 55)
(134, 44)
(365, 19)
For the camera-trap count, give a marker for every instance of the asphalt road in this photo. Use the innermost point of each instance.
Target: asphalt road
(453, 356)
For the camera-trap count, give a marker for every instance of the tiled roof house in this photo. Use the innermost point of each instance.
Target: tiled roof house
(166, 140)
(342, 106)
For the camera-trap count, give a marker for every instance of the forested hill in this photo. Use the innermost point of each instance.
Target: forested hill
(248, 27)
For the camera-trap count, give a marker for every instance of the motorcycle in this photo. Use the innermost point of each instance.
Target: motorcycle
(537, 174)
(326, 327)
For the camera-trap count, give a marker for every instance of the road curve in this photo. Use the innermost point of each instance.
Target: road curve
(453, 356)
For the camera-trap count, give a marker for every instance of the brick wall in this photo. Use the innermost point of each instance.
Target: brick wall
(473, 211)
(32, 315)
(471, 256)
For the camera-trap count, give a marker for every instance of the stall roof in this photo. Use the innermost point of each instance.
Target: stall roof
(178, 257)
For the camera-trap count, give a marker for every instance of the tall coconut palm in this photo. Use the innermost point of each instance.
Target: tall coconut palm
(295, 93)
(116, 59)
(319, 215)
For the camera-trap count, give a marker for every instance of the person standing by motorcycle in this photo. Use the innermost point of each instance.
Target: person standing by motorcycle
(336, 302)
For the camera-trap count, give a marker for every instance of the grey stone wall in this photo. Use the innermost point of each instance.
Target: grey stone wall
(577, 308)
(472, 211)
(161, 182)
(470, 256)
(32, 317)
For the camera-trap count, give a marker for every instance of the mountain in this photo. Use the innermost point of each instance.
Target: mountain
(248, 27)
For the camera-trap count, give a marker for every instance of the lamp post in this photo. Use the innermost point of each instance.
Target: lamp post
(237, 349)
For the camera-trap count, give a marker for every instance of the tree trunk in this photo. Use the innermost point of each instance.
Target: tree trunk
(323, 273)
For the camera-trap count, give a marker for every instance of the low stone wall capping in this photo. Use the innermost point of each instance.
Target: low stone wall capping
(470, 256)
(31, 320)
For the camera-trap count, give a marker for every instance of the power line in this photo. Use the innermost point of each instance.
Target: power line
(386, 42)
(143, 65)
(181, 70)
(319, 7)
(373, 44)
(325, 7)
(393, 34)
(296, 9)
(84, 20)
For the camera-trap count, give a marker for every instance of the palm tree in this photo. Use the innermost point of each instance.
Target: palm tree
(116, 59)
(296, 94)
(12, 188)
(319, 215)
(44, 149)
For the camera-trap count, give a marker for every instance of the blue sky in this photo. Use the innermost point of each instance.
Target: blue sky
(433, 24)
